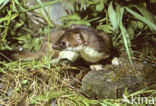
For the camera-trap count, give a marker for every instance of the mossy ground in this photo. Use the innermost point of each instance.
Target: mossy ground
(39, 83)
(132, 24)
(33, 82)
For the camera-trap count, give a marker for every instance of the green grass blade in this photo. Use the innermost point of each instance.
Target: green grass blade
(21, 7)
(113, 17)
(4, 3)
(44, 13)
(147, 15)
(126, 40)
(1, 26)
(143, 19)
(39, 6)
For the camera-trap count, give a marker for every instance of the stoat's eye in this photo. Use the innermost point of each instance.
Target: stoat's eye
(63, 43)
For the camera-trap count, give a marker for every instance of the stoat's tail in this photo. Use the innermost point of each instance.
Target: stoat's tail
(25, 56)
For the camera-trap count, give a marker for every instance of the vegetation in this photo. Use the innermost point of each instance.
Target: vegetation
(131, 23)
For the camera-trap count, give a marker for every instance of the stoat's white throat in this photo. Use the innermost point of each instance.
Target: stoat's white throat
(69, 55)
(89, 54)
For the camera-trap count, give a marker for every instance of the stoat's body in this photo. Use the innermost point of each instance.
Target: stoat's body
(75, 41)
(92, 46)
(47, 50)
(91, 55)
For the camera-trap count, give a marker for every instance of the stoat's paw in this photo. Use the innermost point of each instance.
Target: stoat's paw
(65, 55)
(96, 67)
(116, 61)
(69, 55)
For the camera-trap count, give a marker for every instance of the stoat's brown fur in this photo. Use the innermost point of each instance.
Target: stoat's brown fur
(47, 50)
(76, 40)
(93, 46)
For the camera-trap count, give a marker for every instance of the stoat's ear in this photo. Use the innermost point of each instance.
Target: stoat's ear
(72, 26)
(78, 37)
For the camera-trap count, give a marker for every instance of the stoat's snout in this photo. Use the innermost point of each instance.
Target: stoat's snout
(60, 45)
(93, 46)
(70, 39)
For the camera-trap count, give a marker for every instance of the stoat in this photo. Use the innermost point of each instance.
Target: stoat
(72, 43)
(92, 46)
(47, 50)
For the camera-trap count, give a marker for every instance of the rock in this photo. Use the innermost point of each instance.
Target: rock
(55, 11)
(101, 84)
(111, 81)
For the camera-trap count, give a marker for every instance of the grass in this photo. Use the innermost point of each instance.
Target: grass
(39, 82)
(33, 83)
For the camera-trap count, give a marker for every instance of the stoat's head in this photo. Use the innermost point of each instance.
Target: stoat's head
(70, 39)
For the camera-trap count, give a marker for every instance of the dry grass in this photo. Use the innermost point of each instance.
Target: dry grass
(22, 83)
(39, 83)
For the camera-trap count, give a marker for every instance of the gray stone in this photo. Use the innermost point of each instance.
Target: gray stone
(100, 84)
(55, 11)
(111, 81)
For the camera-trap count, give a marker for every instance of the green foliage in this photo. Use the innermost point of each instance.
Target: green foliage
(14, 25)
(10, 21)
(147, 18)
(100, 14)
(75, 18)
(126, 21)
(115, 16)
